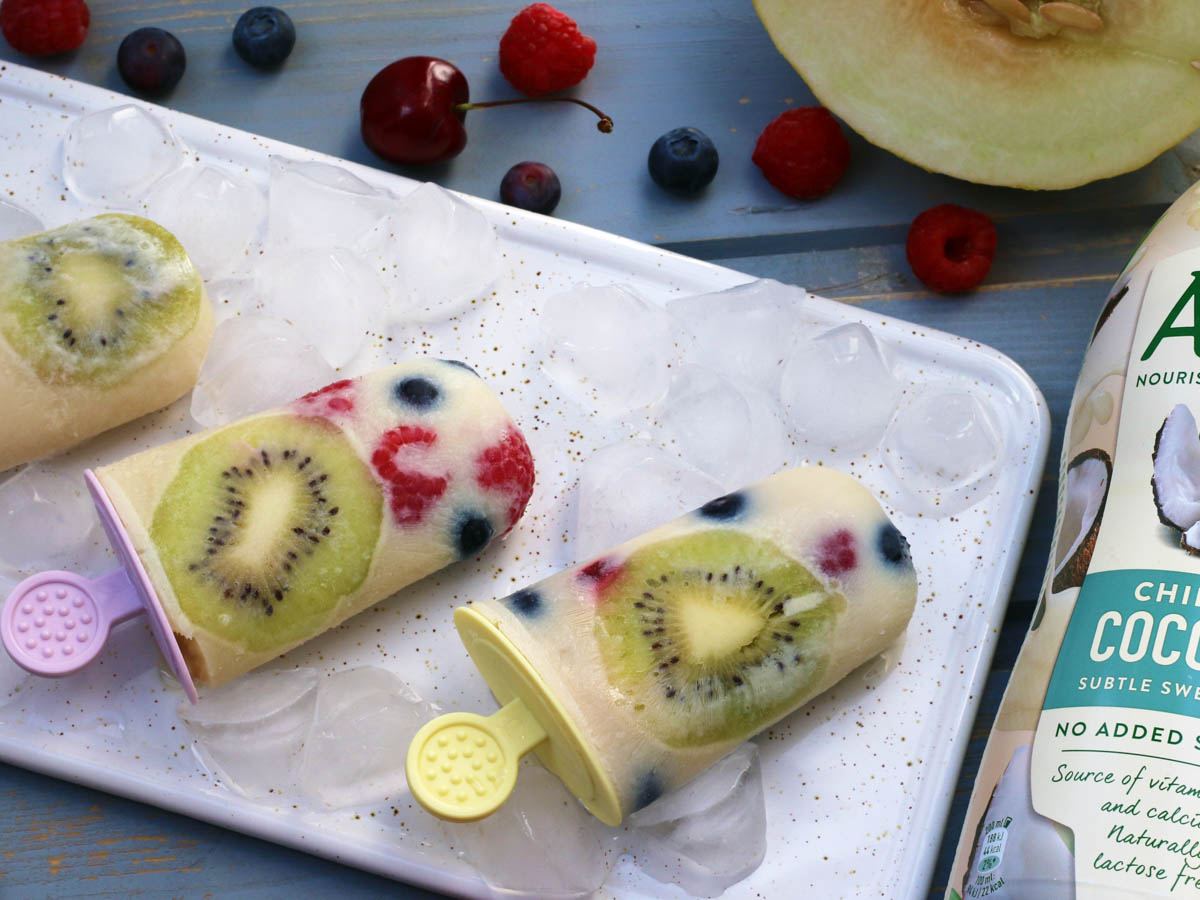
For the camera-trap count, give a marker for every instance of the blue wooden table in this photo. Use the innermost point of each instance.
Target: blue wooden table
(659, 65)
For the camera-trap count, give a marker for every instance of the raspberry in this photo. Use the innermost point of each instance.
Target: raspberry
(835, 553)
(803, 152)
(43, 27)
(333, 398)
(601, 572)
(950, 248)
(543, 51)
(410, 494)
(507, 467)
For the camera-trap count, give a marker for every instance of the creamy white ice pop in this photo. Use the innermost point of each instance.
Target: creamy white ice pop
(640, 668)
(101, 321)
(261, 534)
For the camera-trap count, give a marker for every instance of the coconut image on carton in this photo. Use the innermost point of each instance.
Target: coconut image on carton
(1176, 479)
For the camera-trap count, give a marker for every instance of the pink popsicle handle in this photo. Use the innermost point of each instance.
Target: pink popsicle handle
(55, 623)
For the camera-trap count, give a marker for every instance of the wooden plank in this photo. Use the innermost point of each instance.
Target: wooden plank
(660, 65)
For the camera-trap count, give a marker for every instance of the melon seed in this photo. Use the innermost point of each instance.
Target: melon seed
(1072, 15)
(1011, 9)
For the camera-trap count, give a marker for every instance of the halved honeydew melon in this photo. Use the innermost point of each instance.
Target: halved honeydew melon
(950, 85)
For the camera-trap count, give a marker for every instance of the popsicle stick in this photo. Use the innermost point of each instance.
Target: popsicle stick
(462, 766)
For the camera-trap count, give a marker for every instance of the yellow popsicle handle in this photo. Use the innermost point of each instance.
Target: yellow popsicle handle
(462, 766)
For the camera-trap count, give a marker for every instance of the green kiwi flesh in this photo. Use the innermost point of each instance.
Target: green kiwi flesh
(266, 526)
(714, 634)
(94, 301)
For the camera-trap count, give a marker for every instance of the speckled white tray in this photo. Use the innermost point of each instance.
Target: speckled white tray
(857, 784)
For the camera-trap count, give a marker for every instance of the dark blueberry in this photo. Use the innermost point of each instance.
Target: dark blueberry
(151, 61)
(460, 364)
(473, 532)
(892, 544)
(264, 36)
(416, 391)
(726, 507)
(528, 603)
(649, 788)
(683, 161)
(532, 186)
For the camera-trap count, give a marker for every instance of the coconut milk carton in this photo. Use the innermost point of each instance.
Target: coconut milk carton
(1090, 783)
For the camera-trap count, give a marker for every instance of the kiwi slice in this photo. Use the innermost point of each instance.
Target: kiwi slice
(96, 300)
(714, 634)
(267, 525)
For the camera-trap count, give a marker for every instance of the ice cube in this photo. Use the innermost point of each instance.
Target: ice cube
(746, 331)
(440, 254)
(630, 487)
(365, 720)
(607, 348)
(944, 445)
(116, 154)
(234, 297)
(251, 732)
(46, 518)
(734, 433)
(540, 843)
(839, 390)
(319, 205)
(255, 363)
(16, 221)
(331, 295)
(215, 214)
(710, 833)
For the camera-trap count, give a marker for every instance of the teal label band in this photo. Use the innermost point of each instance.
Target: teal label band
(1133, 641)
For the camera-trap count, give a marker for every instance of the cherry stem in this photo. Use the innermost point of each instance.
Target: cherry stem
(605, 125)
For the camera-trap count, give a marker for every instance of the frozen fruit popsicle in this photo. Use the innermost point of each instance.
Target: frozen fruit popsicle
(633, 672)
(101, 321)
(247, 540)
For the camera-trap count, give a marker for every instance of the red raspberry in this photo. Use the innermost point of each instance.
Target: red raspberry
(507, 467)
(950, 248)
(835, 553)
(410, 494)
(543, 51)
(333, 398)
(44, 27)
(601, 572)
(803, 152)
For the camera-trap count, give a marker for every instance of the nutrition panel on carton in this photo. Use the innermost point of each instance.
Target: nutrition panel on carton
(624, 436)
(1091, 767)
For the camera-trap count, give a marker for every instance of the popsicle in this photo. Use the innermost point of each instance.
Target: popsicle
(249, 539)
(101, 321)
(632, 673)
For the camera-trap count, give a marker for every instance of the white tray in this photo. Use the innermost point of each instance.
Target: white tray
(854, 809)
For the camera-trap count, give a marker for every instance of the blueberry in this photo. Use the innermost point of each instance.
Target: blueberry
(472, 533)
(726, 507)
(460, 364)
(532, 186)
(151, 61)
(527, 603)
(892, 544)
(683, 161)
(264, 36)
(417, 391)
(649, 788)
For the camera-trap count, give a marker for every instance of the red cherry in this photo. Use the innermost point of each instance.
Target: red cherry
(413, 111)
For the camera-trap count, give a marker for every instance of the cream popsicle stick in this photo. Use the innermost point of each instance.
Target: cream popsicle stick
(257, 536)
(647, 664)
(101, 321)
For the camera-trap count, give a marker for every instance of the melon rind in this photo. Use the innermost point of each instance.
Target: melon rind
(928, 81)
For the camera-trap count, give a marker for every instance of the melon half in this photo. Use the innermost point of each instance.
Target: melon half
(978, 90)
